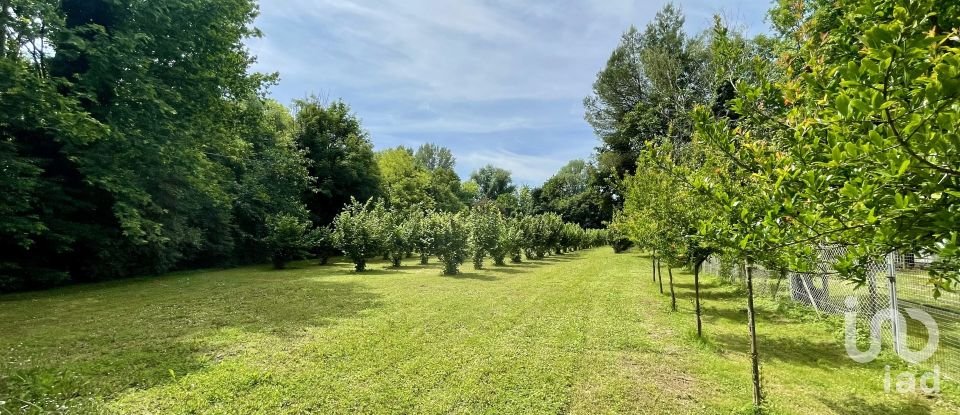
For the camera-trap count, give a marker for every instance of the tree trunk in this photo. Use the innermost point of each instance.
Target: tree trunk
(660, 275)
(673, 295)
(424, 259)
(754, 354)
(4, 5)
(653, 267)
(696, 297)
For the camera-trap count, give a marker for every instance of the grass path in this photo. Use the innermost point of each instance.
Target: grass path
(580, 333)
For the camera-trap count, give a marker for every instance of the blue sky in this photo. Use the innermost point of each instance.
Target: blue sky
(499, 82)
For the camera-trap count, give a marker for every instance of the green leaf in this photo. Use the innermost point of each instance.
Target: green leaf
(842, 104)
(903, 167)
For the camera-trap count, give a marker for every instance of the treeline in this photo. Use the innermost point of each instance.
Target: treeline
(837, 129)
(134, 139)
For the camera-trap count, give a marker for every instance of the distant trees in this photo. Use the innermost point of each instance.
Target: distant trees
(405, 182)
(368, 230)
(574, 193)
(492, 182)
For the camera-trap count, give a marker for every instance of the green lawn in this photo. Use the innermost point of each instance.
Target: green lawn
(581, 333)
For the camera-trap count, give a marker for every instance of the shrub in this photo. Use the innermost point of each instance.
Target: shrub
(398, 235)
(450, 240)
(421, 235)
(322, 244)
(358, 232)
(288, 238)
(484, 225)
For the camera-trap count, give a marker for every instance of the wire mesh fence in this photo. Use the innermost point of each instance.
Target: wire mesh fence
(899, 282)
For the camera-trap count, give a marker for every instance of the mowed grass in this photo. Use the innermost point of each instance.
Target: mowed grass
(586, 332)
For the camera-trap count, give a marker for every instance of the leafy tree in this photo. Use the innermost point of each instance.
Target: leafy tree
(444, 184)
(509, 241)
(270, 181)
(513, 239)
(575, 196)
(446, 191)
(341, 157)
(450, 240)
(434, 157)
(492, 182)
(405, 183)
(398, 232)
(484, 223)
(650, 83)
(422, 233)
(358, 232)
(289, 238)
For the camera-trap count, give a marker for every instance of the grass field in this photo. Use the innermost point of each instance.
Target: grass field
(586, 333)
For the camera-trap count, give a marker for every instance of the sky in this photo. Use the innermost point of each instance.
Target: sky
(498, 82)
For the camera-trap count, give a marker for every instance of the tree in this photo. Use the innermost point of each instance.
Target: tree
(141, 123)
(405, 183)
(358, 232)
(492, 182)
(289, 238)
(650, 83)
(513, 239)
(450, 240)
(422, 234)
(484, 223)
(434, 157)
(398, 233)
(341, 157)
(574, 194)
(271, 181)
(509, 241)
(444, 184)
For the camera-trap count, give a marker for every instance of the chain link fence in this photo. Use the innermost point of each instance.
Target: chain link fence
(899, 282)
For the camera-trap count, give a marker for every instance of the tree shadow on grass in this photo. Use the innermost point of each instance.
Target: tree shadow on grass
(793, 350)
(78, 344)
(473, 276)
(858, 406)
(505, 269)
(709, 295)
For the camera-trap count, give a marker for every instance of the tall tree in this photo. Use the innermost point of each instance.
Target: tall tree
(573, 194)
(341, 157)
(493, 182)
(405, 183)
(445, 187)
(434, 157)
(650, 83)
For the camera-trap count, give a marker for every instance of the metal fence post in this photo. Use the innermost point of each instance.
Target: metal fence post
(894, 309)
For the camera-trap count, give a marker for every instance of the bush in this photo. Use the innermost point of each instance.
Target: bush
(484, 225)
(322, 246)
(421, 235)
(450, 240)
(398, 232)
(358, 232)
(288, 238)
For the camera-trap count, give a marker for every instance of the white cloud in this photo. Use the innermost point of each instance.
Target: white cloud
(526, 169)
(444, 70)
